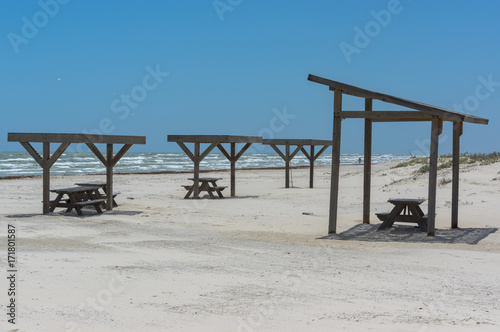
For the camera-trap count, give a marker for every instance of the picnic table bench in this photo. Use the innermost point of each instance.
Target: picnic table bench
(78, 197)
(101, 185)
(206, 184)
(405, 210)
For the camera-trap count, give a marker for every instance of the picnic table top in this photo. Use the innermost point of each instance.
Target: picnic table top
(92, 183)
(294, 141)
(214, 139)
(74, 189)
(406, 201)
(206, 179)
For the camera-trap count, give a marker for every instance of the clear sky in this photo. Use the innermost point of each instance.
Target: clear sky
(240, 67)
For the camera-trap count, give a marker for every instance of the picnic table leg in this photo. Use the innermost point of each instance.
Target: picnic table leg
(54, 205)
(91, 197)
(392, 216)
(418, 216)
(190, 191)
(219, 192)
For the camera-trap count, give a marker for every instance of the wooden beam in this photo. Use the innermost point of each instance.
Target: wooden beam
(97, 153)
(367, 172)
(242, 151)
(120, 154)
(278, 151)
(196, 160)
(46, 177)
(213, 139)
(109, 176)
(287, 166)
(311, 166)
(334, 189)
(60, 150)
(33, 153)
(298, 141)
(186, 150)
(359, 92)
(207, 151)
(457, 132)
(386, 115)
(323, 149)
(433, 160)
(224, 152)
(233, 169)
(75, 138)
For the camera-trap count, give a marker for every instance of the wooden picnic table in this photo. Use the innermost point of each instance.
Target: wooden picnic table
(78, 197)
(101, 185)
(405, 210)
(206, 184)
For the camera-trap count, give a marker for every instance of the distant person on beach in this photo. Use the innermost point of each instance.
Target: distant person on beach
(359, 160)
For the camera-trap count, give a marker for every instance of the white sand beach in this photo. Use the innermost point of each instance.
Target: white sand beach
(261, 261)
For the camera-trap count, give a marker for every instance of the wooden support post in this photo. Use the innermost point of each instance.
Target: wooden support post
(334, 189)
(46, 177)
(109, 176)
(457, 132)
(311, 167)
(233, 169)
(367, 174)
(287, 166)
(196, 160)
(435, 132)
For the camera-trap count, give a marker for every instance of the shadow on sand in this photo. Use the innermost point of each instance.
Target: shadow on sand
(365, 232)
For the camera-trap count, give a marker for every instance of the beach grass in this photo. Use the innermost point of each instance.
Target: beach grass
(446, 161)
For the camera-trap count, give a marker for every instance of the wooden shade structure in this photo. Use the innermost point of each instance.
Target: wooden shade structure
(214, 141)
(45, 160)
(423, 112)
(300, 144)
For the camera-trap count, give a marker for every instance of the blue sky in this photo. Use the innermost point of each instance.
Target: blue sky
(239, 67)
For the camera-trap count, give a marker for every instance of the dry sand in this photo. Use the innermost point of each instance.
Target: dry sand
(258, 262)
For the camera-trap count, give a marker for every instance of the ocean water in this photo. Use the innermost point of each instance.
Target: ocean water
(22, 164)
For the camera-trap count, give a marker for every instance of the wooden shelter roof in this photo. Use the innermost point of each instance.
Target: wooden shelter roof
(445, 114)
(213, 139)
(75, 138)
(294, 141)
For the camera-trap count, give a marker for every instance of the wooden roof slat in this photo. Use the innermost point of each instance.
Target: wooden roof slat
(75, 138)
(363, 93)
(213, 139)
(294, 141)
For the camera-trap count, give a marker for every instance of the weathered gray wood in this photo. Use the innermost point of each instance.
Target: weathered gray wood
(287, 166)
(435, 132)
(196, 182)
(33, 153)
(320, 152)
(298, 141)
(457, 132)
(120, 154)
(386, 115)
(311, 166)
(233, 169)
(109, 176)
(97, 153)
(359, 92)
(186, 150)
(75, 138)
(46, 177)
(367, 170)
(60, 150)
(242, 151)
(213, 139)
(334, 189)
(278, 151)
(207, 151)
